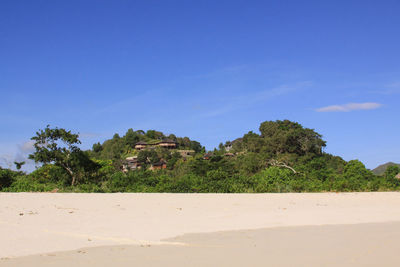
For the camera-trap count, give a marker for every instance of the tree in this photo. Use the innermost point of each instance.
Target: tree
(290, 137)
(153, 134)
(356, 175)
(253, 142)
(59, 147)
(6, 178)
(97, 147)
(355, 169)
(391, 173)
(131, 138)
(148, 156)
(19, 165)
(172, 137)
(196, 146)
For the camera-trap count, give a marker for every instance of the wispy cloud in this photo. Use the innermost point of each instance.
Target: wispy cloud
(350, 107)
(391, 89)
(226, 71)
(387, 89)
(24, 150)
(6, 160)
(88, 135)
(394, 85)
(246, 100)
(19, 153)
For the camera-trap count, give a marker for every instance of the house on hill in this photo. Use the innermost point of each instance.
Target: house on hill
(186, 153)
(397, 176)
(167, 143)
(207, 156)
(158, 166)
(228, 146)
(131, 163)
(141, 145)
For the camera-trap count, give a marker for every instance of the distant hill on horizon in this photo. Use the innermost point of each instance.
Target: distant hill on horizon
(382, 168)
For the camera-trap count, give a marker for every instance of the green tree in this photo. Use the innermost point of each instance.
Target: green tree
(391, 173)
(146, 157)
(97, 147)
(172, 137)
(19, 165)
(6, 178)
(173, 159)
(290, 137)
(131, 138)
(355, 169)
(59, 146)
(196, 146)
(356, 176)
(153, 134)
(140, 132)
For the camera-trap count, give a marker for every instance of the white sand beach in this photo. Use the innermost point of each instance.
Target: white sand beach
(49, 225)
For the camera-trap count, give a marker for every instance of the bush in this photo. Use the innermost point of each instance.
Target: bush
(274, 179)
(50, 173)
(6, 178)
(29, 184)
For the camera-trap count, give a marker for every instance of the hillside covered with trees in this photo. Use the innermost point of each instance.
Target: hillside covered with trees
(282, 156)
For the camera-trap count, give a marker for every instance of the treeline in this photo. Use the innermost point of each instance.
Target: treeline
(283, 157)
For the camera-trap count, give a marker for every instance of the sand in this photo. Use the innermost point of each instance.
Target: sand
(321, 229)
(336, 245)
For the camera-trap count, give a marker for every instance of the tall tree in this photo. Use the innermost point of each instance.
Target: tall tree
(59, 147)
(131, 138)
(290, 137)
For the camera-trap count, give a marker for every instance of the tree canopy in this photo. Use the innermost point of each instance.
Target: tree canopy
(59, 147)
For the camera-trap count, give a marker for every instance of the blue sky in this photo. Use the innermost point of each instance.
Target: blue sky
(210, 70)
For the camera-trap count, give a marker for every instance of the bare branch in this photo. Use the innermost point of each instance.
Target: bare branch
(275, 163)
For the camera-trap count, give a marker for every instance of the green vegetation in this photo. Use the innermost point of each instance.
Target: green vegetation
(59, 147)
(380, 170)
(283, 157)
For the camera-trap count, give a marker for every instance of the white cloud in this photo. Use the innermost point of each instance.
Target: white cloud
(350, 107)
(18, 153)
(27, 147)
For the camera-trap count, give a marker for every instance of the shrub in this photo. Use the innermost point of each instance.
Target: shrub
(6, 178)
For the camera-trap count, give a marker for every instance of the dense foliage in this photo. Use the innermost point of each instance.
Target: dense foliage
(118, 148)
(59, 147)
(283, 157)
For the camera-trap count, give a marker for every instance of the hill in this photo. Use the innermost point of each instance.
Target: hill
(121, 147)
(282, 156)
(382, 168)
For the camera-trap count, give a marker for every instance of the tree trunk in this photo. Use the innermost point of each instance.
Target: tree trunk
(73, 180)
(70, 173)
